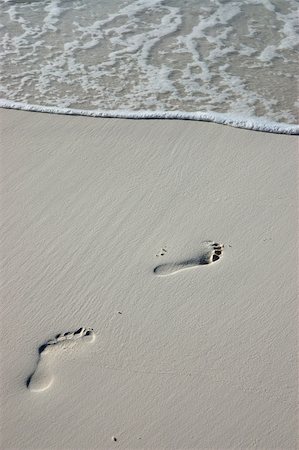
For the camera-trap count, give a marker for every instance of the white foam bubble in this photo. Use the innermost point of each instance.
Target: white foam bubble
(268, 53)
(53, 10)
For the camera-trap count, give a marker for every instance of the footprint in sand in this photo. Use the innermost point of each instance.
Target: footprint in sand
(209, 252)
(43, 377)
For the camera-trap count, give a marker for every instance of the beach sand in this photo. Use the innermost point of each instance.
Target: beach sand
(202, 358)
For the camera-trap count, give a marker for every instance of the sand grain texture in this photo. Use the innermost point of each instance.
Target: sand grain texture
(201, 359)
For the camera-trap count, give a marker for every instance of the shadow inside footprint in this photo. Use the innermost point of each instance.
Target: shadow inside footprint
(28, 381)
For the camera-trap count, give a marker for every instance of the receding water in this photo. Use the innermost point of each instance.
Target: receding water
(233, 57)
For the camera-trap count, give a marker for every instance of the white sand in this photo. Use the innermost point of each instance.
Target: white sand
(204, 358)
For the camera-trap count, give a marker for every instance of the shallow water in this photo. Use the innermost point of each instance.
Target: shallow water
(230, 57)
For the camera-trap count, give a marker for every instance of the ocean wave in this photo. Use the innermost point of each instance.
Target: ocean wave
(248, 123)
(233, 59)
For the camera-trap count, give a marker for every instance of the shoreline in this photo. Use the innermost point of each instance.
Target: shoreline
(236, 121)
(203, 358)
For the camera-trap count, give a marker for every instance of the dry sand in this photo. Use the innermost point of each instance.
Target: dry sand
(204, 358)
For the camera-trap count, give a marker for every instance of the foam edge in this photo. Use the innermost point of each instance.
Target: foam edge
(247, 123)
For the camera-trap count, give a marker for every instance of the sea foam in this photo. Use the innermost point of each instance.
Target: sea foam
(248, 123)
(230, 62)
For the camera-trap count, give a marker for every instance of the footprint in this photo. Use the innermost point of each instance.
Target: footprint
(208, 252)
(43, 377)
